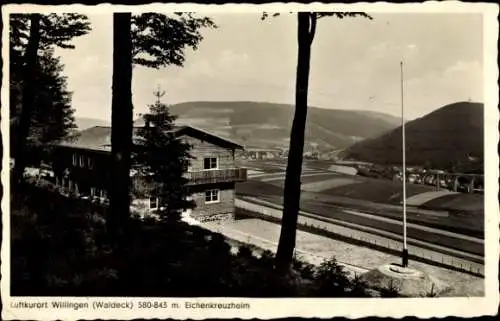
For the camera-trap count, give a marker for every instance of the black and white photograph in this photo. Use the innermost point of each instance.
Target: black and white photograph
(211, 160)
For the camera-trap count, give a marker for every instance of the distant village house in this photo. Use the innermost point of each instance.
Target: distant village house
(260, 153)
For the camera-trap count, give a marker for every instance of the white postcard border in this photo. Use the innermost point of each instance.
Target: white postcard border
(275, 308)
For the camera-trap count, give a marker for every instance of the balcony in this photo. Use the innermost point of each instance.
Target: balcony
(216, 176)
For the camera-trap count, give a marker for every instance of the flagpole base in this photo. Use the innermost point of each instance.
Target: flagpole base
(409, 282)
(405, 258)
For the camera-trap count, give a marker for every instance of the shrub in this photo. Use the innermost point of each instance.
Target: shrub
(62, 248)
(359, 287)
(244, 252)
(331, 280)
(306, 270)
(391, 291)
(432, 293)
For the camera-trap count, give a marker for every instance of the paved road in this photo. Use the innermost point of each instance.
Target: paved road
(266, 244)
(424, 249)
(446, 240)
(417, 231)
(454, 233)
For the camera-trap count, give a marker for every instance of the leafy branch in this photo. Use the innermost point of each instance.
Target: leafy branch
(159, 40)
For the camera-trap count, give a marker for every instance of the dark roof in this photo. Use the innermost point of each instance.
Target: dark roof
(98, 138)
(207, 136)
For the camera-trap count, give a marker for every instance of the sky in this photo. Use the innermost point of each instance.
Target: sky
(355, 64)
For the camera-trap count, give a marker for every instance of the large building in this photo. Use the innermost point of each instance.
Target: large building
(260, 153)
(81, 166)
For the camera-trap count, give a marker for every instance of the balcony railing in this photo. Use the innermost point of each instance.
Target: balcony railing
(216, 176)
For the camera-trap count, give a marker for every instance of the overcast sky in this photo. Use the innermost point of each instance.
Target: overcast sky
(354, 64)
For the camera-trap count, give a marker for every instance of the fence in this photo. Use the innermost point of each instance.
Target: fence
(373, 241)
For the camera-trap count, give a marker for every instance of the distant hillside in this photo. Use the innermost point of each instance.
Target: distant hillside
(268, 124)
(449, 136)
(84, 122)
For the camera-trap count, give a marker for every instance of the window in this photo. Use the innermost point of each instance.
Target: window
(210, 163)
(93, 191)
(153, 203)
(90, 162)
(212, 196)
(75, 159)
(82, 161)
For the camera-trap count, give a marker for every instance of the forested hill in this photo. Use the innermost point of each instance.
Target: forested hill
(83, 123)
(450, 136)
(268, 124)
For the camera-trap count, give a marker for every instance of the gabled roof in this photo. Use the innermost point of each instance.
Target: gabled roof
(98, 138)
(207, 136)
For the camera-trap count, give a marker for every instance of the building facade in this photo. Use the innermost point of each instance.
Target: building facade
(260, 153)
(81, 166)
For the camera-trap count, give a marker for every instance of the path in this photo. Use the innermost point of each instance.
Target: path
(234, 233)
(356, 260)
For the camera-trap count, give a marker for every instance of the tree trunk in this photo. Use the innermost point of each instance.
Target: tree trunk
(121, 122)
(291, 203)
(28, 99)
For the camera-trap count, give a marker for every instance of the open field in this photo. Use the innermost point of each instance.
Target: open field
(322, 185)
(321, 204)
(458, 203)
(464, 223)
(357, 187)
(317, 178)
(277, 165)
(376, 204)
(377, 190)
(364, 188)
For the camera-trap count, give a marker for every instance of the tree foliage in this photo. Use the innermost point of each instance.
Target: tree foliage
(151, 40)
(314, 16)
(28, 99)
(334, 279)
(39, 102)
(160, 40)
(161, 158)
(318, 15)
(56, 30)
(52, 117)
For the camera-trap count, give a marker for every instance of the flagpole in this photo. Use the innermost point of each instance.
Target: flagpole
(405, 249)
